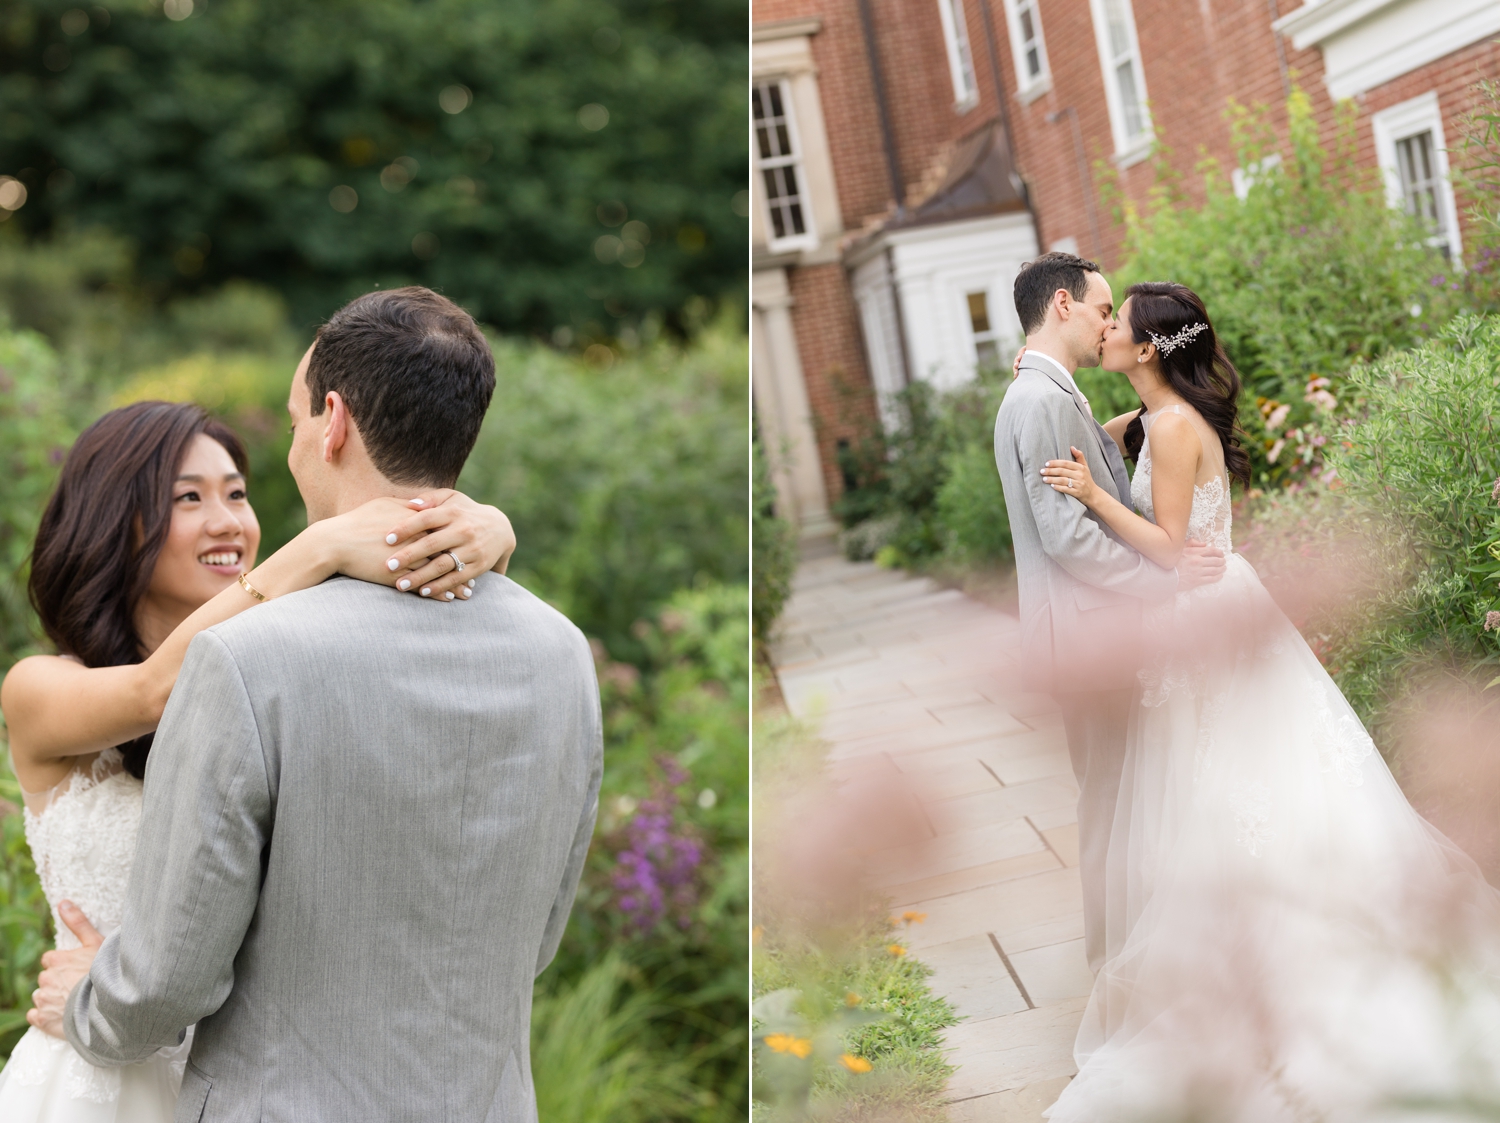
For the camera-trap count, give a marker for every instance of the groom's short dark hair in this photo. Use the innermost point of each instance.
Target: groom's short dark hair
(1039, 279)
(417, 375)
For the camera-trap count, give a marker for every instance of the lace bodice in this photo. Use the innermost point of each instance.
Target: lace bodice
(82, 838)
(1211, 518)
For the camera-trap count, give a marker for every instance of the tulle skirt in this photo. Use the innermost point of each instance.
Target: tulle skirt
(45, 1081)
(1288, 939)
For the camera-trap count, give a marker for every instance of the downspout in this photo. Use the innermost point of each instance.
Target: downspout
(893, 169)
(1000, 99)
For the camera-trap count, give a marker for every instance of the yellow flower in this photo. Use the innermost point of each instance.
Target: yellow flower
(853, 1063)
(913, 917)
(786, 1043)
(756, 933)
(896, 950)
(852, 999)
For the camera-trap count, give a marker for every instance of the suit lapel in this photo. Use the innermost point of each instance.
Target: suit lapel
(1107, 447)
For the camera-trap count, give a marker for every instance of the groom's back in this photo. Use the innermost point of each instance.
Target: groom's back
(432, 773)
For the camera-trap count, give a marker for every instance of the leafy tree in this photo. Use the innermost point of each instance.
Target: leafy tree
(567, 167)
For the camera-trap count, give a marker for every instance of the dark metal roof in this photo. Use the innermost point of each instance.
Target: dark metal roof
(980, 179)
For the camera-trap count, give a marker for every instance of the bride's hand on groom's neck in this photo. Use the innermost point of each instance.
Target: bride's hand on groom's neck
(417, 545)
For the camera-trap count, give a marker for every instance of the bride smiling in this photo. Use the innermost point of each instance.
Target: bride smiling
(148, 539)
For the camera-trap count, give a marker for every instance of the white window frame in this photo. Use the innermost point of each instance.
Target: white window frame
(808, 239)
(1028, 88)
(1418, 115)
(960, 55)
(977, 338)
(1129, 149)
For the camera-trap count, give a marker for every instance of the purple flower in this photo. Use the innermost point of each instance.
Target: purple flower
(656, 869)
(1495, 491)
(1439, 281)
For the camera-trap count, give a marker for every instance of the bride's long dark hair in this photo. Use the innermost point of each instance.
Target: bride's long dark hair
(104, 528)
(1197, 368)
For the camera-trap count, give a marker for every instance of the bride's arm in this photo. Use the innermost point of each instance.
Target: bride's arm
(1175, 449)
(57, 708)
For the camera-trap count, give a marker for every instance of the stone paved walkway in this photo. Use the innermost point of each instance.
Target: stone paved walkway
(900, 674)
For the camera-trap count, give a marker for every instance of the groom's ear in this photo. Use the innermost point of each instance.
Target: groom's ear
(336, 434)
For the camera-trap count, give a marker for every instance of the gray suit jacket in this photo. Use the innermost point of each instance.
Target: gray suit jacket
(365, 819)
(1081, 588)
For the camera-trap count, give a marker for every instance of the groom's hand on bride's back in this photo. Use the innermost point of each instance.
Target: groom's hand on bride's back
(1200, 564)
(63, 970)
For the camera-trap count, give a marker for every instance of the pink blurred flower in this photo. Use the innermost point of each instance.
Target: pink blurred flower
(1491, 621)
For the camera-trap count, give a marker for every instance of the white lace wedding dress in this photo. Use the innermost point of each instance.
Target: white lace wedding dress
(1289, 940)
(82, 836)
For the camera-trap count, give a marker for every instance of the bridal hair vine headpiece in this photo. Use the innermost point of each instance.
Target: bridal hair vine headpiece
(1167, 344)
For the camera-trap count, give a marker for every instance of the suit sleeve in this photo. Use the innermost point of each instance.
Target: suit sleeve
(1069, 535)
(583, 834)
(196, 880)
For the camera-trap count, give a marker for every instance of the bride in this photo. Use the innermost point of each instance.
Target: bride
(148, 539)
(1289, 940)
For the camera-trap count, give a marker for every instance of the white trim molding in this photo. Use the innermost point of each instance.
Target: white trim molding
(1019, 13)
(1367, 43)
(1401, 122)
(960, 57)
(1124, 80)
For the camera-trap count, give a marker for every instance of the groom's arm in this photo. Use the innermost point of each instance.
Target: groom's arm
(1076, 542)
(583, 833)
(196, 878)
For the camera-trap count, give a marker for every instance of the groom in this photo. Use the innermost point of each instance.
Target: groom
(364, 821)
(1081, 588)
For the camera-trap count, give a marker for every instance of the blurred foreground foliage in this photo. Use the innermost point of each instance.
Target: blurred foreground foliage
(626, 480)
(570, 166)
(846, 1026)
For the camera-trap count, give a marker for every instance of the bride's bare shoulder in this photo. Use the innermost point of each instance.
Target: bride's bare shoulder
(1174, 438)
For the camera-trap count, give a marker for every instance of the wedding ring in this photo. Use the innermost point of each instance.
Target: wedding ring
(458, 565)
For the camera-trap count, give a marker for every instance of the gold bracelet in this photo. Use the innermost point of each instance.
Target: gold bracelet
(251, 589)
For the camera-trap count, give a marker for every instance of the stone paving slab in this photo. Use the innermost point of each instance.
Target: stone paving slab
(922, 685)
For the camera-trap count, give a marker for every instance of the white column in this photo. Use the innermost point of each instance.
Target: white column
(782, 407)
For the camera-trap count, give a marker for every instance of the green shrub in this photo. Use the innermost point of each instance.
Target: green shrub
(1311, 273)
(35, 431)
(25, 919)
(773, 558)
(1421, 462)
(971, 507)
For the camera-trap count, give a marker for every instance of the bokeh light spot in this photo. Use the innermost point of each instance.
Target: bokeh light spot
(343, 198)
(593, 117)
(607, 248)
(12, 193)
(177, 9)
(426, 245)
(455, 99)
(75, 21)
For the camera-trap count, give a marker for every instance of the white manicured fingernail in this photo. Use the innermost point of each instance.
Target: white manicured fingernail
(418, 502)
(449, 596)
(404, 584)
(393, 565)
(390, 539)
(467, 592)
(427, 592)
(471, 582)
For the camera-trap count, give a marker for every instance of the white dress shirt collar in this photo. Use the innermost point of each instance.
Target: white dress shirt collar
(1065, 372)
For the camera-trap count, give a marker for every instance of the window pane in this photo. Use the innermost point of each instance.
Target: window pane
(1119, 34)
(763, 138)
(1129, 101)
(778, 221)
(760, 111)
(1027, 34)
(979, 312)
(1033, 63)
(775, 91)
(798, 226)
(773, 185)
(987, 354)
(783, 141)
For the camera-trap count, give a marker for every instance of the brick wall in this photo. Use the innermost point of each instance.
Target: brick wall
(833, 365)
